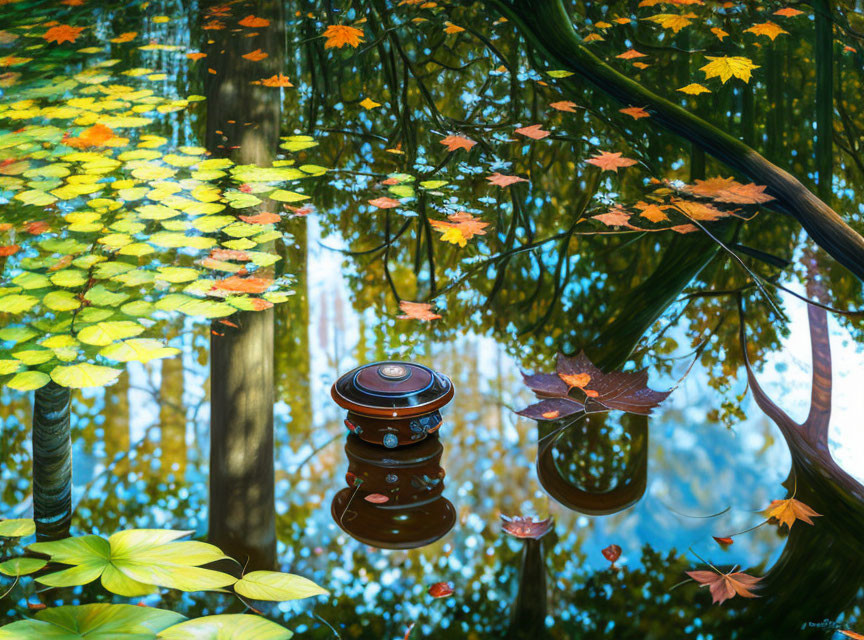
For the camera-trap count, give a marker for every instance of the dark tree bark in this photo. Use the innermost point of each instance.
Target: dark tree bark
(528, 621)
(52, 462)
(243, 123)
(546, 25)
(824, 96)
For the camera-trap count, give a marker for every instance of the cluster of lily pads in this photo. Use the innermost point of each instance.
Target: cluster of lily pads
(106, 227)
(138, 562)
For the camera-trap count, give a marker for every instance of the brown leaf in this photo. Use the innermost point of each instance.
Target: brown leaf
(726, 585)
(552, 409)
(789, 510)
(610, 161)
(499, 179)
(612, 553)
(526, 527)
(417, 311)
(535, 132)
(457, 142)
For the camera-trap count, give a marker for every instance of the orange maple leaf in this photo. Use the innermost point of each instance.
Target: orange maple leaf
(564, 105)
(610, 161)
(615, 217)
(635, 112)
(196, 55)
(385, 203)
(770, 29)
(417, 311)
(63, 33)
(579, 380)
(264, 217)
(255, 56)
(788, 12)
(535, 132)
(457, 142)
(276, 81)
(338, 35)
(630, 54)
(726, 585)
(243, 285)
(652, 212)
(95, 136)
(125, 37)
(499, 179)
(254, 22)
(789, 510)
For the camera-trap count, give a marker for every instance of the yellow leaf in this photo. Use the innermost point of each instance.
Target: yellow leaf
(368, 103)
(770, 29)
(674, 21)
(694, 89)
(725, 67)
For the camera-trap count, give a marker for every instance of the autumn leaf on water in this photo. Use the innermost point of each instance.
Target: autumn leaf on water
(635, 112)
(9, 250)
(95, 136)
(255, 56)
(457, 142)
(526, 526)
(452, 28)
(651, 211)
(62, 33)
(262, 218)
(339, 35)
(417, 311)
(719, 33)
(726, 585)
(462, 226)
(277, 80)
(254, 22)
(728, 190)
(369, 103)
(789, 510)
(726, 67)
(610, 161)
(770, 29)
(500, 180)
(694, 89)
(385, 203)
(535, 132)
(615, 217)
(701, 211)
(441, 590)
(196, 55)
(618, 390)
(673, 21)
(788, 12)
(125, 37)
(239, 284)
(564, 105)
(630, 54)
(612, 553)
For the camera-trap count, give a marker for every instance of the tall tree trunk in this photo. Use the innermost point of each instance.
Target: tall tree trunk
(243, 122)
(172, 418)
(824, 97)
(52, 462)
(528, 621)
(547, 27)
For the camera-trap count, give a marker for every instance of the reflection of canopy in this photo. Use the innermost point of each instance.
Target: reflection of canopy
(592, 470)
(415, 513)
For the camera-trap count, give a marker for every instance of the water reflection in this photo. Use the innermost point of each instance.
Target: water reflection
(597, 466)
(411, 479)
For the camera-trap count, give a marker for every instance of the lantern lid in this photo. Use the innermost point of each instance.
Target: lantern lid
(392, 389)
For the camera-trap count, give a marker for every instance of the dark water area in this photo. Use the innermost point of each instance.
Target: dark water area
(210, 212)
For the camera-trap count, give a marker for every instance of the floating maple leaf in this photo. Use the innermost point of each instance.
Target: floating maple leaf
(728, 190)
(612, 553)
(339, 35)
(196, 55)
(243, 285)
(618, 390)
(564, 105)
(62, 33)
(770, 29)
(255, 56)
(694, 89)
(262, 218)
(277, 80)
(95, 136)
(610, 161)
(535, 132)
(726, 585)
(526, 527)
(674, 21)
(441, 590)
(417, 311)
(457, 142)
(254, 22)
(385, 203)
(500, 180)
(125, 37)
(788, 12)
(652, 212)
(615, 217)
(789, 510)
(462, 226)
(630, 54)
(726, 67)
(635, 112)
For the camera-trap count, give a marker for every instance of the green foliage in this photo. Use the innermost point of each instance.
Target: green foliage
(17, 528)
(93, 622)
(226, 627)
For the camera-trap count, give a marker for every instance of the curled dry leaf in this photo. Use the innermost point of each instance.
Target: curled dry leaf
(612, 553)
(726, 585)
(376, 498)
(441, 590)
(526, 527)
(723, 542)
